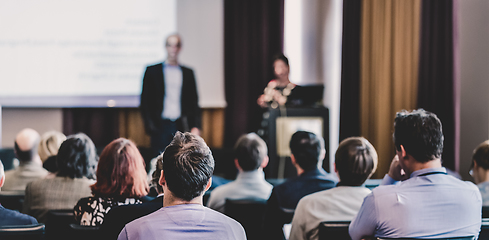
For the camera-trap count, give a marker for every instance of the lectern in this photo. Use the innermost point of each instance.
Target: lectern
(278, 126)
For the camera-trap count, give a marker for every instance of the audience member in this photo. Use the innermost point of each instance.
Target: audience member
(121, 180)
(429, 203)
(119, 216)
(307, 154)
(187, 169)
(48, 149)
(480, 170)
(11, 217)
(30, 168)
(76, 160)
(251, 158)
(355, 162)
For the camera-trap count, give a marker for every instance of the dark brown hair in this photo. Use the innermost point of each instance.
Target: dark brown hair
(481, 155)
(188, 165)
(121, 171)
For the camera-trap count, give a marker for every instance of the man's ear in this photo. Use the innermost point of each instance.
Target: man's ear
(292, 159)
(264, 162)
(209, 184)
(2, 181)
(403, 152)
(236, 163)
(162, 178)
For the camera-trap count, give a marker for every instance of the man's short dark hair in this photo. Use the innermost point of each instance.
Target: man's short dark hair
(77, 157)
(250, 150)
(188, 165)
(307, 148)
(421, 134)
(355, 160)
(481, 155)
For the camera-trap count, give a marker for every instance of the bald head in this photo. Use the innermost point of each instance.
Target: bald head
(26, 144)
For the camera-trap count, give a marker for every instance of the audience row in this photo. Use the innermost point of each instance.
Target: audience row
(416, 199)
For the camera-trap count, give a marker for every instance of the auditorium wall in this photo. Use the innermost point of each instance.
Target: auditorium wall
(473, 36)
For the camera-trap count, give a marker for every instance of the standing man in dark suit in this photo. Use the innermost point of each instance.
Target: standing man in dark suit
(11, 217)
(169, 99)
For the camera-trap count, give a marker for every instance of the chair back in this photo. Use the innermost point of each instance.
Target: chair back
(334, 230)
(58, 224)
(485, 211)
(22, 232)
(13, 200)
(79, 232)
(249, 212)
(484, 234)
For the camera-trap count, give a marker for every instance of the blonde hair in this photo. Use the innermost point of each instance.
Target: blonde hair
(50, 143)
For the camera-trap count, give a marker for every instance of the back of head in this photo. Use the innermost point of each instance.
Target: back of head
(50, 143)
(481, 155)
(121, 171)
(188, 165)
(421, 134)
(307, 149)
(77, 157)
(155, 181)
(26, 144)
(355, 160)
(250, 150)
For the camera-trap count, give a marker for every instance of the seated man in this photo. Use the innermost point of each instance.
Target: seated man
(251, 158)
(430, 203)
(11, 217)
(480, 170)
(30, 168)
(355, 162)
(187, 169)
(307, 155)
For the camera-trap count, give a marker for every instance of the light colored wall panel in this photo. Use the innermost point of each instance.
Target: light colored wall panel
(41, 120)
(473, 36)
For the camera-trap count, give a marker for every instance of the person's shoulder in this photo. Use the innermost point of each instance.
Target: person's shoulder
(222, 189)
(9, 174)
(323, 175)
(465, 184)
(89, 200)
(16, 218)
(158, 65)
(220, 217)
(186, 68)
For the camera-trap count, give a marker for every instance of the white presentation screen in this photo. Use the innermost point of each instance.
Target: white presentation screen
(59, 53)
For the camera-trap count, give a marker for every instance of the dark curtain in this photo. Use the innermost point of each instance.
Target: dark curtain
(253, 33)
(350, 70)
(436, 91)
(100, 124)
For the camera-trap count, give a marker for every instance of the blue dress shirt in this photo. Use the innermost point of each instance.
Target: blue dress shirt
(430, 204)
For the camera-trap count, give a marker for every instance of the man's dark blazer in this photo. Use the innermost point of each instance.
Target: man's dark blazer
(118, 217)
(152, 97)
(11, 217)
